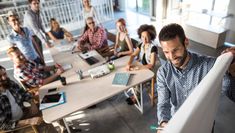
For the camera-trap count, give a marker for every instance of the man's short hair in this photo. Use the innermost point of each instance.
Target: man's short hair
(171, 31)
(2, 68)
(11, 14)
(12, 49)
(30, 1)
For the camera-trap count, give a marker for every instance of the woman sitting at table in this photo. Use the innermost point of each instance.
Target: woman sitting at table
(94, 38)
(123, 45)
(147, 52)
(56, 33)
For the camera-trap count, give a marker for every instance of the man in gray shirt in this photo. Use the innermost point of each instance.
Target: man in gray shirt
(33, 21)
(183, 71)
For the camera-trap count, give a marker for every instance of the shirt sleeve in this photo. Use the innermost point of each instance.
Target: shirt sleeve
(30, 79)
(32, 24)
(100, 37)
(83, 38)
(154, 49)
(229, 86)
(163, 106)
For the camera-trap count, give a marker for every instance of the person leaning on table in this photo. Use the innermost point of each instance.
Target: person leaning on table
(56, 33)
(94, 38)
(29, 73)
(16, 105)
(182, 66)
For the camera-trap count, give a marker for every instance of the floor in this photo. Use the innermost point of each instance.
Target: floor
(115, 116)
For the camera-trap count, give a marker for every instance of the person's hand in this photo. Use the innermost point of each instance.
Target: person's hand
(115, 52)
(162, 125)
(33, 108)
(231, 69)
(48, 45)
(119, 54)
(232, 50)
(30, 121)
(58, 66)
(59, 71)
(128, 67)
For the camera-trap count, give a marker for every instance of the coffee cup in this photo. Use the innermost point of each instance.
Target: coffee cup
(63, 80)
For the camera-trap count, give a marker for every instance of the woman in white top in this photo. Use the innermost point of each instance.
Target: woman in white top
(89, 11)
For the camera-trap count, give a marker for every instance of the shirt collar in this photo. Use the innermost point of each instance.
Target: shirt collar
(15, 33)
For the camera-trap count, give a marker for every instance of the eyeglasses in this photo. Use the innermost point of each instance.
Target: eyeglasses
(91, 23)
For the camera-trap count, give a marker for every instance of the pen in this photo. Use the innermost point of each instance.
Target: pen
(156, 128)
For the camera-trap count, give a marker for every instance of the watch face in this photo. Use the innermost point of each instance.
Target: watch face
(26, 104)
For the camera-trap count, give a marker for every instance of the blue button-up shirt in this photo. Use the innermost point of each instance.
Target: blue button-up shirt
(174, 85)
(24, 43)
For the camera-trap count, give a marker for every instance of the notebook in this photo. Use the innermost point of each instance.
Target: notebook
(51, 100)
(121, 79)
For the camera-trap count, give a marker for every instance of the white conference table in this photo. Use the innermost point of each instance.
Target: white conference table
(81, 94)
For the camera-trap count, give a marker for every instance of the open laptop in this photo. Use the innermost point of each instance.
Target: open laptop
(89, 57)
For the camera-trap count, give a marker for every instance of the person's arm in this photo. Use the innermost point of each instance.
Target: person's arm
(132, 56)
(52, 77)
(67, 34)
(36, 46)
(163, 106)
(130, 47)
(32, 24)
(100, 37)
(82, 40)
(152, 61)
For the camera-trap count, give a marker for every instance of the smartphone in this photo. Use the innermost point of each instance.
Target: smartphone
(52, 90)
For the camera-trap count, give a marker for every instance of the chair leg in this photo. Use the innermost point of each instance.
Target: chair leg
(34, 129)
(152, 92)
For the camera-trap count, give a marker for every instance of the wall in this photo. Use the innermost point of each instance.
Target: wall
(230, 23)
(122, 5)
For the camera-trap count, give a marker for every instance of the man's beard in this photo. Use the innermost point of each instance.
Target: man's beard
(5, 83)
(182, 59)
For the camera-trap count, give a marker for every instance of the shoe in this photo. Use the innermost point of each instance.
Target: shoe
(131, 100)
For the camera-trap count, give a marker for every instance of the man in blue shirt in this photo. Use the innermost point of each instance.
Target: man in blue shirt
(22, 38)
(183, 71)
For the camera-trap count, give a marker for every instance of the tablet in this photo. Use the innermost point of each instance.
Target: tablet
(52, 98)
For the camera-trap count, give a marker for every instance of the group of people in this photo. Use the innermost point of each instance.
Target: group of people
(30, 68)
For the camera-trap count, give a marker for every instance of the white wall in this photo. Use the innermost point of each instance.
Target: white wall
(122, 5)
(230, 23)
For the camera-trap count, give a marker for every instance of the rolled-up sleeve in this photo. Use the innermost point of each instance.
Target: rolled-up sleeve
(163, 106)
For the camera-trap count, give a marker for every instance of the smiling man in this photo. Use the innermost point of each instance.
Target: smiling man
(33, 21)
(183, 71)
(22, 38)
